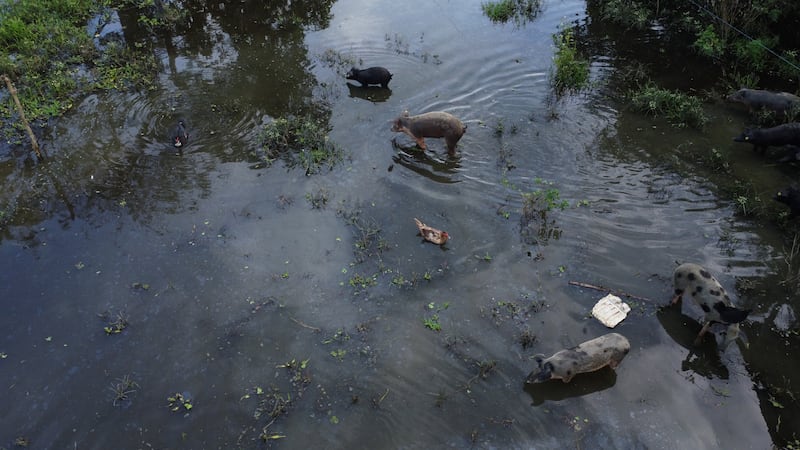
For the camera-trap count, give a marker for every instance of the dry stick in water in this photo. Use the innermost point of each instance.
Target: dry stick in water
(605, 289)
(13, 91)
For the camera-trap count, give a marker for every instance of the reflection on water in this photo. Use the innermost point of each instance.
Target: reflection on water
(584, 384)
(286, 304)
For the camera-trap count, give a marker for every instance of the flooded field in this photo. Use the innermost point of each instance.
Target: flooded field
(217, 298)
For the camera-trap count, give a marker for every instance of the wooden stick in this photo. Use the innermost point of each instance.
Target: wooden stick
(605, 289)
(13, 91)
(305, 325)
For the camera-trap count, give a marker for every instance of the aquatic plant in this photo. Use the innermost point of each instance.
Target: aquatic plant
(122, 389)
(678, 108)
(571, 70)
(301, 140)
(520, 11)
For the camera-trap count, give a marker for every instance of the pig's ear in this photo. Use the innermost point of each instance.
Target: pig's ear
(538, 360)
(547, 372)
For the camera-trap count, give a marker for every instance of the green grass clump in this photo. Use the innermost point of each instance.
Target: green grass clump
(49, 55)
(520, 11)
(678, 108)
(571, 71)
(300, 140)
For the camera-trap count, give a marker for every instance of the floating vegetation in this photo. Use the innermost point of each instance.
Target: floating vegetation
(180, 402)
(520, 11)
(115, 323)
(300, 141)
(122, 389)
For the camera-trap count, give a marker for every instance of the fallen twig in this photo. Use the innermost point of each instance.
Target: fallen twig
(13, 91)
(304, 325)
(613, 291)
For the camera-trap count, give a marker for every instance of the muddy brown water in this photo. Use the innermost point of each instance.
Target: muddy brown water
(227, 272)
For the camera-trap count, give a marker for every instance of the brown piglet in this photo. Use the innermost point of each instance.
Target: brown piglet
(434, 124)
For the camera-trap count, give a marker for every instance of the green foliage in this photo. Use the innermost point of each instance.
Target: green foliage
(571, 71)
(301, 140)
(627, 13)
(432, 321)
(753, 54)
(678, 108)
(520, 11)
(708, 43)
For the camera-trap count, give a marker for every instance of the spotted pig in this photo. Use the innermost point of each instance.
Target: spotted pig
(606, 350)
(706, 291)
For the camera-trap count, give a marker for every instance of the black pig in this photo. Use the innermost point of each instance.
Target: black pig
(761, 138)
(791, 197)
(755, 99)
(372, 75)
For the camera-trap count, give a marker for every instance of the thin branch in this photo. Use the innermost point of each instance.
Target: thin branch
(605, 289)
(13, 91)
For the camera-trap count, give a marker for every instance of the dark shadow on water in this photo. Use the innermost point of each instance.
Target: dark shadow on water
(583, 384)
(374, 94)
(703, 359)
(417, 160)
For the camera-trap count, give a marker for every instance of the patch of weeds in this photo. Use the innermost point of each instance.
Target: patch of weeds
(399, 280)
(121, 66)
(629, 14)
(678, 108)
(520, 11)
(487, 257)
(297, 371)
(368, 243)
(716, 161)
(300, 141)
(362, 281)
(571, 70)
(536, 205)
(499, 128)
(115, 323)
(319, 199)
(747, 202)
(337, 60)
(122, 390)
(179, 402)
(431, 321)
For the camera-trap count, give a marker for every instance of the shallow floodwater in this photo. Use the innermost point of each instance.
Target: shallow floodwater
(302, 309)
